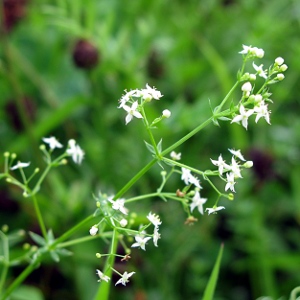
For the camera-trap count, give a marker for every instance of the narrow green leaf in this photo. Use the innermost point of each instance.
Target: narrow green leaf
(150, 147)
(37, 238)
(210, 288)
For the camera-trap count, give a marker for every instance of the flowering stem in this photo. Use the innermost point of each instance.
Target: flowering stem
(39, 216)
(103, 291)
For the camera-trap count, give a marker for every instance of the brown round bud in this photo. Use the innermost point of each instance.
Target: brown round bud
(85, 55)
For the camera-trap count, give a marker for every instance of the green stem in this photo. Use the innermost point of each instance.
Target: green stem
(5, 259)
(20, 279)
(39, 216)
(103, 290)
(294, 293)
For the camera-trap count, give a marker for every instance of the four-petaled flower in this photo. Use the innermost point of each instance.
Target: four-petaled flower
(175, 156)
(230, 182)
(214, 209)
(198, 202)
(124, 278)
(262, 111)
(221, 164)
(237, 153)
(260, 71)
(52, 142)
(141, 241)
(243, 117)
(132, 112)
(119, 205)
(20, 165)
(235, 168)
(75, 151)
(150, 93)
(102, 276)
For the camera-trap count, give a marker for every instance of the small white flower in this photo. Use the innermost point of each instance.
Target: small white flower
(243, 117)
(230, 182)
(279, 61)
(102, 276)
(94, 230)
(118, 205)
(20, 165)
(258, 52)
(166, 113)
(262, 111)
(235, 168)
(237, 153)
(124, 278)
(132, 112)
(198, 202)
(214, 209)
(156, 236)
(152, 92)
(127, 97)
(52, 142)
(154, 219)
(221, 164)
(75, 151)
(123, 222)
(260, 71)
(140, 242)
(175, 156)
(195, 181)
(185, 176)
(247, 88)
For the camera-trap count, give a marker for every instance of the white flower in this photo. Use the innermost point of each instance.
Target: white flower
(166, 113)
(175, 156)
(198, 202)
(262, 111)
(195, 181)
(154, 219)
(156, 236)
(243, 117)
(237, 153)
(230, 182)
(246, 49)
(280, 76)
(119, 205)
(247, 88)
(214, 209)
(123, 222)
(185, 176)
(94, 230)
(152, 92)
(279, 61)
(124, 278)
(283, 68)
(102, 276)
(260, 71)
(127, 97)
(20, 165)
(132, 112)
(235, 168)
(258, 52)
(221, 164)
(140, 242)
(53, 142)
(75, 151)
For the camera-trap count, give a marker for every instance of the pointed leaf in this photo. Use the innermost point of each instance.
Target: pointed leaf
(150, 147)
(54, 256)
(37, 238)
(159, 146)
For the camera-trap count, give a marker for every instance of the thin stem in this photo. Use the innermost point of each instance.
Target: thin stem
(40, 218)
(5, 259)
(294, 293)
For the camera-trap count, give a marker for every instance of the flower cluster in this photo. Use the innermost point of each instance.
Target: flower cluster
(252, 51)
(132, 97)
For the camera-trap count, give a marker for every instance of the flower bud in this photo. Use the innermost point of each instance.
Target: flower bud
(252, 77)
(230, 197)
(98, 255)
(279, 61)
(166, 113)
(283, 68)
(248, 164)
(280, 76)
(94, 230)
(247, 87)
(123, 222)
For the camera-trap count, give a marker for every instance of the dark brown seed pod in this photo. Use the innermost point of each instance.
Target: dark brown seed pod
(85, 55)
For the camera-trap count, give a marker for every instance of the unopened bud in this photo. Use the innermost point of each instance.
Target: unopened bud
(248, 164)
(166, 113)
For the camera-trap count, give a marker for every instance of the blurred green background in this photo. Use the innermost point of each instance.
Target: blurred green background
(64, 64)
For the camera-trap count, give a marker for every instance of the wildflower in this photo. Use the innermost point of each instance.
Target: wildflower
(230, 182)
(246, 49)
(262, 111)
(175, 156)
(214, 209)
(260, 71)
(279, 61)
(140, 242)
(132, 112)
(75, 151)
(243, 117)
(221, 164)
(258, 52)
(195, 181)
(53, 142)
(237, 153)
(156, 236)
(154, 219)
(235, 168)
(94, 230)
(20, 165)
(124, 278)
(127, 97)
(185, 176)
(198, 202)
(102, 276)
(150, 92)
(166, 113)
(119, 205)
